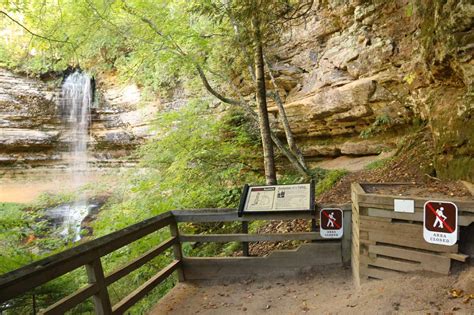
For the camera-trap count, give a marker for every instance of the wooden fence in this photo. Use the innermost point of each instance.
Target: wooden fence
(387, 243)
(318, 252)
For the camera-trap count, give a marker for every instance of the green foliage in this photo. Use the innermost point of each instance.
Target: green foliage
(381, 123)
(378, 164)
(47, 200)
(409, 9)
(198, 160)
(330, 179)
(409, 78)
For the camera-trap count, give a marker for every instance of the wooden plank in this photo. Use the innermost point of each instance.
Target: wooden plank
(379, 199)
(404, 234)
(397, 228)
(245, 245)
(140, 261)
(417, 216)
(68, 302)
(239, 237)
(95, 275)
(177, 251)
(346, 241)
(230, 216)
(379, 273)
(146, 287)
(464, 219)
(391, 264)
(429, 262)
(279, 263)
(356, 190)
(417, 243)
(456, 256)
(23, 279)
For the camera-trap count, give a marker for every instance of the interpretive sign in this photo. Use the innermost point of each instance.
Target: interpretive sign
(440, 222)
(331, 223)
(260, 199)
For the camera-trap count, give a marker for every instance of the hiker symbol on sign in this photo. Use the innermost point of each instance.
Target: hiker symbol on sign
(331, 223)
(440, 222)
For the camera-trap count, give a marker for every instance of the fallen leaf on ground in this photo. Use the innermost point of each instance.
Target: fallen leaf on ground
(455, 293)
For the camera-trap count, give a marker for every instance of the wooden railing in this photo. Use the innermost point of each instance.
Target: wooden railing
(20, 281)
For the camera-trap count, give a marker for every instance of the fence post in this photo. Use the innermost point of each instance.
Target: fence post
(346, 241)
(245, 245)
(95, 274)
(177, 251)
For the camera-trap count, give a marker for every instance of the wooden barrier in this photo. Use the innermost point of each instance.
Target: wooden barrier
(319, 252)
(386, 243)
(88, 254)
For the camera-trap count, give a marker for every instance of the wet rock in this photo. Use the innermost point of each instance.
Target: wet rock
(26, 138)
(33, 133)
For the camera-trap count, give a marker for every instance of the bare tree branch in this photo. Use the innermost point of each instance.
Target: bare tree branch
(31, 32)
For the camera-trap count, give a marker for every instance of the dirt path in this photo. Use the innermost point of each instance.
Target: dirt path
(352, 164)
(328, 291)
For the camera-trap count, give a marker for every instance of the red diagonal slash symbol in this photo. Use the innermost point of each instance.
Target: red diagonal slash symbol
(450, 229)
(333, 221)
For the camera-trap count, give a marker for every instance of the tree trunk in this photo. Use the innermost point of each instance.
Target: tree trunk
(284, 119)
(264, 124)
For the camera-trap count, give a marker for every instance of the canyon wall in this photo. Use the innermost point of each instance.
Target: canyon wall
(359, 74)
(32, 133)
(355, 77)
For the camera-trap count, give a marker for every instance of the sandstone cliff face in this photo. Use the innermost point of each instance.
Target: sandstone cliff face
(372, 68)
(32, 133)
(356, 76)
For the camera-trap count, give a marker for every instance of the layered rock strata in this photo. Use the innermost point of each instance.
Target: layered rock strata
(33, 135)
(373, 69)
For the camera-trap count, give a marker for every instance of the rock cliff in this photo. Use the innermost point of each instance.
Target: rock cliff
(32, 133)
(354, 77)
(372, 69)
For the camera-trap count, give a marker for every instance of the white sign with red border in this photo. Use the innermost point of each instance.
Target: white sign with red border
(331, 225)
(440, 222)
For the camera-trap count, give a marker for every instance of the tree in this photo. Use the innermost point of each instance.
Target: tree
(178, 41)
(266, 20)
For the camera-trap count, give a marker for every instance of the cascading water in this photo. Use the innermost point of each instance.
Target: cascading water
(76, 101)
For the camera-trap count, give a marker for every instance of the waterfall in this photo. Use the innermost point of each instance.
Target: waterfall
(76, 101)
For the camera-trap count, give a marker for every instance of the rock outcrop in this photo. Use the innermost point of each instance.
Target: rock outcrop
(370, 69)
(32, 133)
(354, 77)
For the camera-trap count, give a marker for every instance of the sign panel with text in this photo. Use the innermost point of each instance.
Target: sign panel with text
(277, 198)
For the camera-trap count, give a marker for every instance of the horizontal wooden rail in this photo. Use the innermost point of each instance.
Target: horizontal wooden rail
(230, 215)
(89, 254)
(44, 270)
(379, 200)
(268, 237)
(140, 292)
(72, 300)
(140, 261)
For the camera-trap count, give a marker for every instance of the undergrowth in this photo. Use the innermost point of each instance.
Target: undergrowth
(329, 180)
